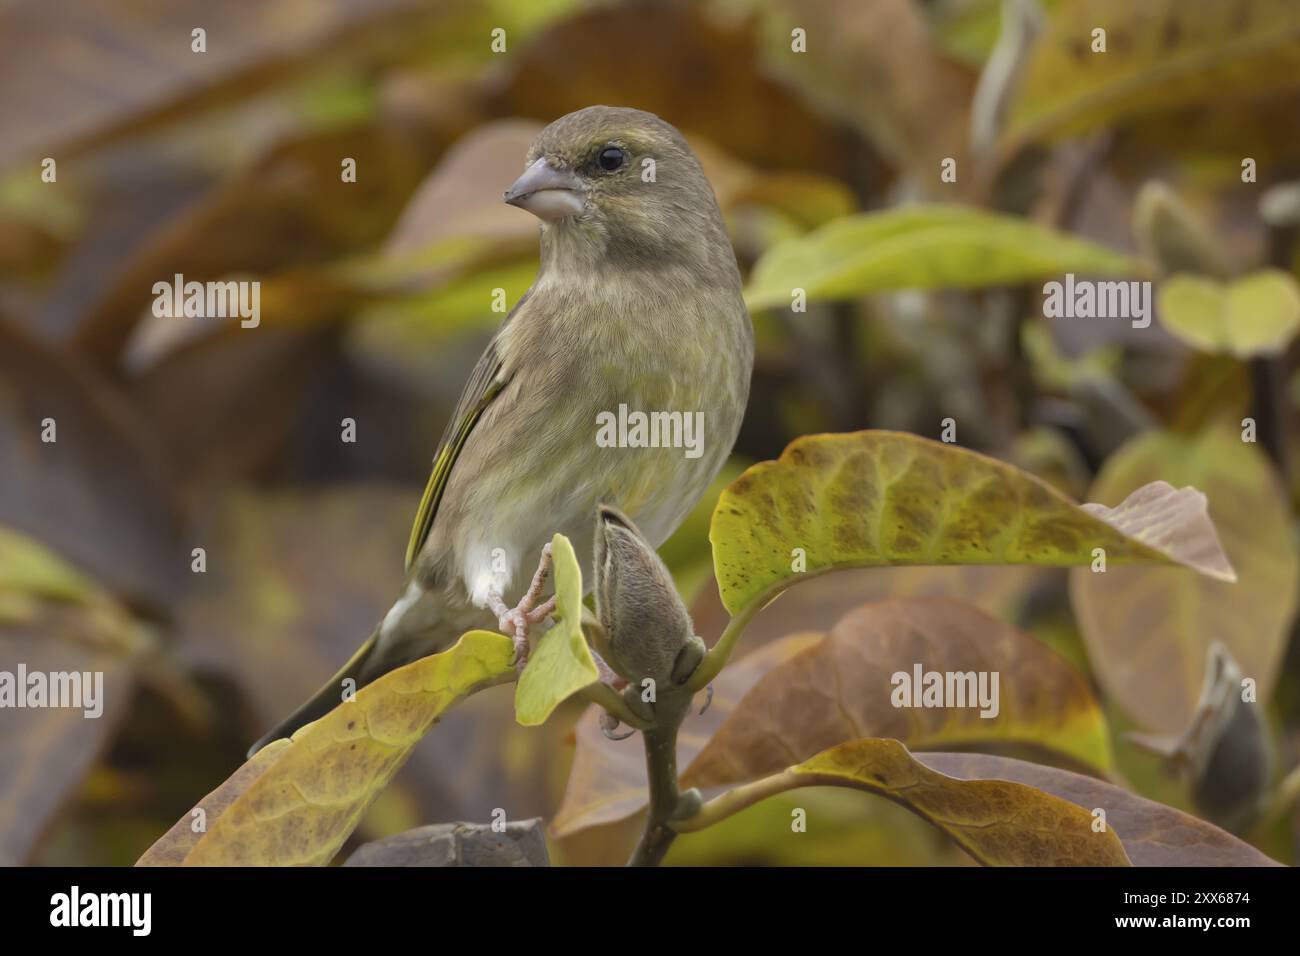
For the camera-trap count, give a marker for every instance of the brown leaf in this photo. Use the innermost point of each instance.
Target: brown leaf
(798, 695)
(917, 111)
(1152, 834)
(59, 58)
(998, 823)
(841, 689)
(100, 495)
(461, 198)
(289, 209)
(607, 781)
(693, 70)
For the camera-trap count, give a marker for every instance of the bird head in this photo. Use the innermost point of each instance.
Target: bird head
(621, 185)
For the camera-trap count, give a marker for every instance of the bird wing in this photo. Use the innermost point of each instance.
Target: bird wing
(485, 384)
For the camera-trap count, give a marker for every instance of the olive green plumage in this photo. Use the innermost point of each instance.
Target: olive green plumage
(637, 303)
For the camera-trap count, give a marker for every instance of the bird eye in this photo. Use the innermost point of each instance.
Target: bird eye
(612, 158)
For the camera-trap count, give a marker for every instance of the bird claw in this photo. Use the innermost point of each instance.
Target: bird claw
(708, 698)
(517, 621)
(609, 724)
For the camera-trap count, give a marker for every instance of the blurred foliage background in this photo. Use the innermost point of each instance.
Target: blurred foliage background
(376, 298)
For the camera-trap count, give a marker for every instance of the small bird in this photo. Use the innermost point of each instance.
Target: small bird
(635, 316)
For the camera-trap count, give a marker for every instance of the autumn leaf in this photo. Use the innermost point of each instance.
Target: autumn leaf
(1152, 833)
(310, 795)
(1160, 55)
(842, 688)
(877, 498)
(800, 694)
(998, 822)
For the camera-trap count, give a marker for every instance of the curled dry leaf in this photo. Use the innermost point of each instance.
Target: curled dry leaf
(1149, 630)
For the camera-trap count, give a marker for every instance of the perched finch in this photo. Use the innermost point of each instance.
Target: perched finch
(620, 378)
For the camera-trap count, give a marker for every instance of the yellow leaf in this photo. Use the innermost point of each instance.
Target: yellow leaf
(877, 498)
(1160, 55)
(308, 798)
(922, 247)
(1258, 314)
(999, 823)
(562, 664)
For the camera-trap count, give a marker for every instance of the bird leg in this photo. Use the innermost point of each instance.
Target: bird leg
(516, 621)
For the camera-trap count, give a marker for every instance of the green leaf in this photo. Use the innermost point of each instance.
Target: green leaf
(875, 498)
(1255, 315)
(999, 823)
(922, 247)
(310, 795)
(30, 568)
(1160, 55)
(562, 664)
(1148, 630)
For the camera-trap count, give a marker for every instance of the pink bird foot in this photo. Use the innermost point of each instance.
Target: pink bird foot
(517, 621)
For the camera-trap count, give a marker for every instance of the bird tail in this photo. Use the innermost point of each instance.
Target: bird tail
(325, 699)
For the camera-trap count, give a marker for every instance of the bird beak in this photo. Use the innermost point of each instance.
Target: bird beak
(548, 193)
